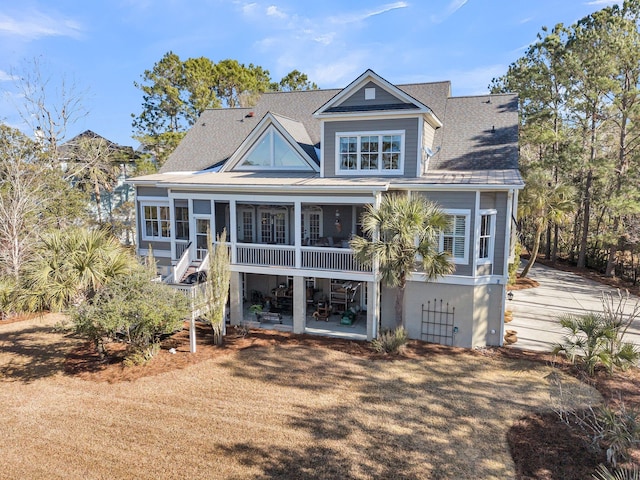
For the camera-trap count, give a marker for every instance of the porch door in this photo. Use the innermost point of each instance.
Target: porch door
(311, 227)
(202, 228)
(273, 227)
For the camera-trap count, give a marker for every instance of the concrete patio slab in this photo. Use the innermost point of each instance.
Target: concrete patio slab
(536, 310)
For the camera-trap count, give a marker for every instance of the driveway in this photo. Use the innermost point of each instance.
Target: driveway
(536, 310)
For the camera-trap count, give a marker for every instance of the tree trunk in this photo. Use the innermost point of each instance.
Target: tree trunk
(534, 253)
(400, 305)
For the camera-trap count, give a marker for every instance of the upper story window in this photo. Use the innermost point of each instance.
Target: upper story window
(486, 235)
(272, 152)
(454, 239)
(156, 221)
(376, 153)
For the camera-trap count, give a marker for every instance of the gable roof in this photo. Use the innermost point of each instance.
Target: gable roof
(218, 133)
(479, 132)
(403, 101)
(292, 131)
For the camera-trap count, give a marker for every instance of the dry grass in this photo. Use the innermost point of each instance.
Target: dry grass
(279, 411)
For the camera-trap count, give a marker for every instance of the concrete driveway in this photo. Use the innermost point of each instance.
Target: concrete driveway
(536, 310)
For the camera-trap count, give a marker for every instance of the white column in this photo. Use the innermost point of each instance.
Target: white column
(233, 226)
(192, 232)
(173, 227)
(235, 298)
(299, 304)
(373, 309)
(297, 232)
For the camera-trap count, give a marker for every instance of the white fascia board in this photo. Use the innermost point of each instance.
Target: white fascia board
(367, 76)
(259, 130)
(454, 187)
(460, 279)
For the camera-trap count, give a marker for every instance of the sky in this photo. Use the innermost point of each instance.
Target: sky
(99, 48)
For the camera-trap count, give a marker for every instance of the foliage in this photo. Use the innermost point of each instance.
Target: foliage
(176, 92)
(133, 309)
(217, 286)
(402, 235)
(597, 339)
(603, 473)
(513, 266)
(296, 80)
(72, 265)
(579, 90)
(391, 341)
(544, 201)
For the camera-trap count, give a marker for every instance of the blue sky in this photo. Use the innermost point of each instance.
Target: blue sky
(104, 46)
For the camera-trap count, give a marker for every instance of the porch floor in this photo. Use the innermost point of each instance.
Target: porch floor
(330, 328)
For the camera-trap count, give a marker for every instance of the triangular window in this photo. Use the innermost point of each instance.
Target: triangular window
(272, 151)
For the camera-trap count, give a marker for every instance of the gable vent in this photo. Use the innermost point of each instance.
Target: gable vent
(369, 93)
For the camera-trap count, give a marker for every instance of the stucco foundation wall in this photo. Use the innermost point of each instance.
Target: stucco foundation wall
(477, 310)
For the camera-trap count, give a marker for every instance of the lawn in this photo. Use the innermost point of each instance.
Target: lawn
(271, 409)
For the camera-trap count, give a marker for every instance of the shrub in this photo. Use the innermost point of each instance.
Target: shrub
(391, 341)
(595, 339)
(622, 474)
(132, 309)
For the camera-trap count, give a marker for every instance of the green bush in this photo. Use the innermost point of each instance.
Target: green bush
(132, 309)
(391, 341)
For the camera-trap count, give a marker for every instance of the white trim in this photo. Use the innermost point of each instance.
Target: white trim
(270, 131)
(158, 204)
(321, 159)
(283, 271)
(492, 213)
(277, 199)
(464, 260)
(459, 279)
(370, 76)
(380, 171)
(267, 122)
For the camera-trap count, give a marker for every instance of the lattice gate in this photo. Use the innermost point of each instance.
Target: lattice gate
(438, 322)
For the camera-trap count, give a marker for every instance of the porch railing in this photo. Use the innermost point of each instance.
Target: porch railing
(181, 267)
(312, 258)
(327, 258)
(181, 246)
(266, 255)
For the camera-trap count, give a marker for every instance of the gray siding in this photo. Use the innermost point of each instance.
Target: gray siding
(383, 97)
(408, 125)
(459, 200)
(152, 192)
(501, 225)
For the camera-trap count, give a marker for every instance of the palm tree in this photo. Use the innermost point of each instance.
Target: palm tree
(543, 201)
(71, 265)
(402, 235)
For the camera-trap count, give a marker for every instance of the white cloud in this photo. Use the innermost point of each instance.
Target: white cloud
(453, 7)
(33, 24)
(604, 2)
(359, 17)
(6, 77)
(249, 8)
(274, 11)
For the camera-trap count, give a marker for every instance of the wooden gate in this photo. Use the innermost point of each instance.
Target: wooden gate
(438, 322)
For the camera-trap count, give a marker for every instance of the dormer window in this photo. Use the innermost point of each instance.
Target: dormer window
(379, 153)
(272, 152)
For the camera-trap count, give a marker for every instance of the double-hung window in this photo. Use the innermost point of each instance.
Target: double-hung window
(372, 153)
(156, 221)
(486, 235)
(454, 239)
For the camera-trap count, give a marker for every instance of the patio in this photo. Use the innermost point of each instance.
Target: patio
(331, 327)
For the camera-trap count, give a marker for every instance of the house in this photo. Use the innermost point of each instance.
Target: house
(288, 179)
(113, 199)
